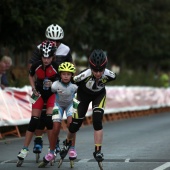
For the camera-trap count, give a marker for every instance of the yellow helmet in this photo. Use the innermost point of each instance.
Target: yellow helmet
(67, 66)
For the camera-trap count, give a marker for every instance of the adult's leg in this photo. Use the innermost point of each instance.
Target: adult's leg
(36, 111)
(41, 126)
(38, 140)
(32, 126)
(49, 111)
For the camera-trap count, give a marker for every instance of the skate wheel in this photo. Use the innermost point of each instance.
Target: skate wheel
(100, 165)
(60, 163)
(19, 163)
(42, 165)
(71, 163)
(37, 157)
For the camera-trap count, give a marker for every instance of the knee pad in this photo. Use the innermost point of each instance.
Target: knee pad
(49, 122)
(41, 125)
(33, 123)
(97, 118)
(75, 125)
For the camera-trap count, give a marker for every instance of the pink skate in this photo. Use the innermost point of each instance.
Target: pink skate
(72, 156)
(48, 158)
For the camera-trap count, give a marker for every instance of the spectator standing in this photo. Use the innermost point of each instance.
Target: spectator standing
(2, 71)
(4, 79)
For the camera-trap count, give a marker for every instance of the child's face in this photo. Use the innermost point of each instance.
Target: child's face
(66, 76)
(98, 74)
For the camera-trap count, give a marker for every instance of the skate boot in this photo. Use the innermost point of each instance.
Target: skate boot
(72, 156)
(48, 158)
(22, 154)
(99, 158)
(64, 150)
(55, 155)
(57, 147)
(38, 144)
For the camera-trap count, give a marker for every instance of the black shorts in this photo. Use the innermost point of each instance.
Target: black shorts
(98, 100)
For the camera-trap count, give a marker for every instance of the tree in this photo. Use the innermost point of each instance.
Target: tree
(23, 23)
(134, 33)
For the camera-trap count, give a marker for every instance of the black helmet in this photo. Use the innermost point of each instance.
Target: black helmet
(47, 49)
(98, 60)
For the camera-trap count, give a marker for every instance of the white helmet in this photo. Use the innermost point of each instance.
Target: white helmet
(54, 32)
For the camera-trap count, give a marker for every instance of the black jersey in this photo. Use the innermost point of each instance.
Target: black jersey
(87, 82)
(62, 54)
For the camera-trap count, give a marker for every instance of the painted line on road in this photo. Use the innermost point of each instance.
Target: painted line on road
(5, 162)
(163, 167)
(84, 160)
(127, 159)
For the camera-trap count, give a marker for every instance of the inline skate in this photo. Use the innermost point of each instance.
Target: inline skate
(48, 158)
(38, 145)
(64, 150)
(99, 158)
(21, 156)
(72, 156)
(57, 150)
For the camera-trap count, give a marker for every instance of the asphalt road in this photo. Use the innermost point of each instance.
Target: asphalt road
(133, 144)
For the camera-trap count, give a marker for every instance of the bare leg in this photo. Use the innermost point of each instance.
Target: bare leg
(28, 138)
(29, 135)
(55, 134)
(39, 133)
(98, 136)
(70, 136)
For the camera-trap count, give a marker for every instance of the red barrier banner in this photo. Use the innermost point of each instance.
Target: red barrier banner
(15, 106)
(123, 99)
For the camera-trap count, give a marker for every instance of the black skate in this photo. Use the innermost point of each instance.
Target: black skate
(20, 162)
(38, 144)
(57, 147)
(99, 158)
(64, 150)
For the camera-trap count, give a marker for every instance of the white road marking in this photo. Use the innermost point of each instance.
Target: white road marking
(163, 167)
(84, 160)
(127, 159)
(5, 161)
